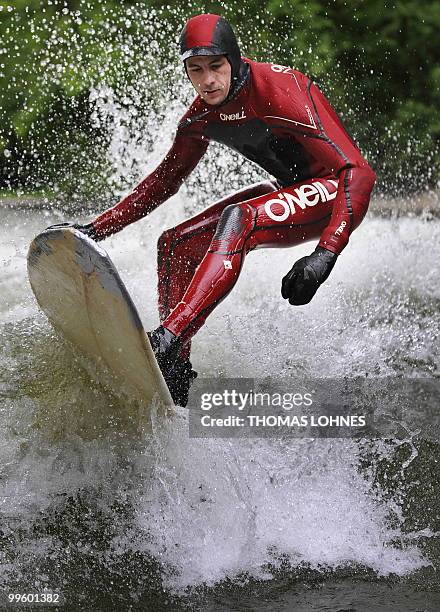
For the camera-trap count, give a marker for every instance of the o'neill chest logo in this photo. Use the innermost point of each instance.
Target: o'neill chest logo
(306, 195)
(232, 117)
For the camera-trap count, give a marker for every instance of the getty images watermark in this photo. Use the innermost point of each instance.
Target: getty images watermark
(307, 408)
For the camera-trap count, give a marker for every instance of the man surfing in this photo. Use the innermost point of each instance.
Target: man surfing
(276, 117)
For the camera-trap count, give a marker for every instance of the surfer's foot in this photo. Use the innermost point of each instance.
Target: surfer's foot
(177, 372)
(166, 347)
(179, 381)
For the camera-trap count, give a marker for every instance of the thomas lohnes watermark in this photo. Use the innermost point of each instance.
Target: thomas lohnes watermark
(312, 408)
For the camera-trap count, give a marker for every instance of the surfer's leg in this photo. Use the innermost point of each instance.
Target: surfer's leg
(283, 218)
(180, 251)
(217, 272)
(182, 248)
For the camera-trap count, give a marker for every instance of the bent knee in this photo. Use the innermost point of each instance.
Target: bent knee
(166, 237)
(235, 220)
(165, 242)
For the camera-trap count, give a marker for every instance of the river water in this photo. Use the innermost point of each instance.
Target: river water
(115, 518)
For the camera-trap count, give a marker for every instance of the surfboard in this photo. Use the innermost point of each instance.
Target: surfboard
(81, 293)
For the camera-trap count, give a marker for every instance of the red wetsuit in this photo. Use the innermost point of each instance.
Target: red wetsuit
(280, 120)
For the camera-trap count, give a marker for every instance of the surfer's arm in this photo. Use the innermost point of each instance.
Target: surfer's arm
(335, 149)
(329, 144)
(157, 187)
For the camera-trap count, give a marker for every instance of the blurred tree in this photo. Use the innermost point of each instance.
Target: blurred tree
(378, 62)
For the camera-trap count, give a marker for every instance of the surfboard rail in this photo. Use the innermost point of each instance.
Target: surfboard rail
(79, 289)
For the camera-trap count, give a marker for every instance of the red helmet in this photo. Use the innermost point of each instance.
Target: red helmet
(211, 35)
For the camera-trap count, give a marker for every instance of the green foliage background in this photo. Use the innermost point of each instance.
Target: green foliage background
(378, 62)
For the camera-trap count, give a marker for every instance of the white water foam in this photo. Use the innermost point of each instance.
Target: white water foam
(218, 509)
(213, 509)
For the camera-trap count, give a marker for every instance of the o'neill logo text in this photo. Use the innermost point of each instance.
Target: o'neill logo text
(306, 195)
(340, 228)
(232, 117)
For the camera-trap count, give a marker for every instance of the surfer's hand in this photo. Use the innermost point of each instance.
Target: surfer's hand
(307, 274)
(88, 229)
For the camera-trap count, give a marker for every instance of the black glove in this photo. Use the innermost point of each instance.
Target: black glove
(87, 229)
(306, 275)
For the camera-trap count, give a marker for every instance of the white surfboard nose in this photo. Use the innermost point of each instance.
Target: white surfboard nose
(80, 291)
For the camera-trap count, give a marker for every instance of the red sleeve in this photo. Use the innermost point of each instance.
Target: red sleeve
(157, 187)
(333, 147)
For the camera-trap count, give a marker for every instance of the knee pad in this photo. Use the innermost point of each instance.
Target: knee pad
(234, 227)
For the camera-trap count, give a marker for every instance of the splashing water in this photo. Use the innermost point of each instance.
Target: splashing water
(208, 510)
(87, 498)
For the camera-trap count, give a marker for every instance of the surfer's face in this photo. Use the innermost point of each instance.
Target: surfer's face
(210, 76)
